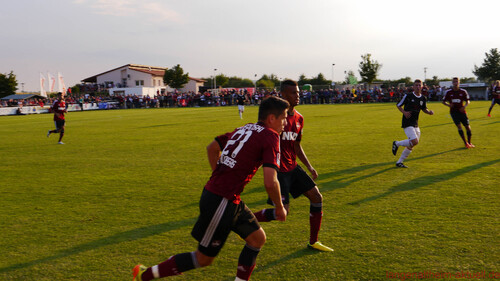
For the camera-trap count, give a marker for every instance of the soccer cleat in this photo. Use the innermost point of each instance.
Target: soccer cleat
(394, 148)
(470, 145)
(48, 133)
(489, 115)
(138, 271)
(320, 247)
(60, 142)
(401, 165)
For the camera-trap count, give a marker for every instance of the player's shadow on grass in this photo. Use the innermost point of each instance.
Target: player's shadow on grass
(127, 236)
(347, 178)
(424, 181)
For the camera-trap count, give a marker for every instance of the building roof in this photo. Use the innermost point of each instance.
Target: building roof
(22, 97)
(153, 70)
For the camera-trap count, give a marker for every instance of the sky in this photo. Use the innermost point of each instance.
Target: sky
(82, 38)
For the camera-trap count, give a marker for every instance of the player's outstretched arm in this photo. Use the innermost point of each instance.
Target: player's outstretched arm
(273, 190)
(213, 153)
(430, 112)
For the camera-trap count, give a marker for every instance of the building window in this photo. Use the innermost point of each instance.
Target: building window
(139, 82)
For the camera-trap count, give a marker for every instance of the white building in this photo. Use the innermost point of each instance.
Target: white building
(140, 80)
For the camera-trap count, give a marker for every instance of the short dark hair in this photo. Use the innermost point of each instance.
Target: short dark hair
(417, 81)
(272, 105)
(288, 82)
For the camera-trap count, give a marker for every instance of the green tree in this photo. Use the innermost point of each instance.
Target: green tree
(221, 80)
(175, 77)
(320, 80)
(368, 68)
(8, 84)
(75, 89)
(432, 82)
(237, 82)
(490, 69)
(262, 83)
(268, 81)
(303, 80)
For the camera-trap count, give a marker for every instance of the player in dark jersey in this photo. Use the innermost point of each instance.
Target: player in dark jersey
(457, 99)
(221, 209)
(495, 93)
(410, 105)
(293, 179)
(240, 99)
(59, 109)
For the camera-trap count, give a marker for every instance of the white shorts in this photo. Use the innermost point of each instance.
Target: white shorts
(241, 107)
(412, 132)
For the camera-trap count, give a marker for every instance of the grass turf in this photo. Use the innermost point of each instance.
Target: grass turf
(125, 186)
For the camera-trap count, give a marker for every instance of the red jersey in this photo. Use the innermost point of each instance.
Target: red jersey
(243, 152)
(496, 92)
(59, 107)
(456, 99)
(291, 133)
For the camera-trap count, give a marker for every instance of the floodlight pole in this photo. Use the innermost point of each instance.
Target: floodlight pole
(215, 85)
(332, 74)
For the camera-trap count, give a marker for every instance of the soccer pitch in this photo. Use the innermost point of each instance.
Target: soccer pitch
(124, 189)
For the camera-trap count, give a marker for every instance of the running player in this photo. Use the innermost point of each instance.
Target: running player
(59, 109)
(410, 105)
(293, 179)
(457, 99)
(240, 98)
(495, 96)
(221, 209)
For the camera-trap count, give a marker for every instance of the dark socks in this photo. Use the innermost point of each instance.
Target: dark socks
(246, 262)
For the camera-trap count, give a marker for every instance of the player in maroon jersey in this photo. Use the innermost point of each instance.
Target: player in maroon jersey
(293, 179)
(59, 109)
(495, 96)
(221, 209)
(457, 100)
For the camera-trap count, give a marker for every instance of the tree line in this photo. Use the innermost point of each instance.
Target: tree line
(369, 68)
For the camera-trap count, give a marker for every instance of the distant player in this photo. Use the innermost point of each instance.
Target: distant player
(240, 98)
(59, 109)
(457, 100)
(221, 209)
(293, 179)
(495, 96)
(410, 105)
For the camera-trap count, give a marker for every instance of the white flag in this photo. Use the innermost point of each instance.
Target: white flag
(42, 86)
(62, 87)
(52, 82)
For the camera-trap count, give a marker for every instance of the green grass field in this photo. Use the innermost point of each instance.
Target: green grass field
(125, 187)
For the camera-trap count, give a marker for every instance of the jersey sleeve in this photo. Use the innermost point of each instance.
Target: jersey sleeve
(271, 151)
(222, 140)
(402, 101)
(446, 96)
(299, 134)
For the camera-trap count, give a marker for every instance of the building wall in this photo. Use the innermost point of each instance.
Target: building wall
(150, 81)
(113, 76)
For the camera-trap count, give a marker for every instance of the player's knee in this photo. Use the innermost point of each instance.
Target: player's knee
(256, 239)
(414, 142)
(204, 260)
(314, 195)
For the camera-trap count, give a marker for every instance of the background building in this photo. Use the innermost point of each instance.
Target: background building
(140, 80)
